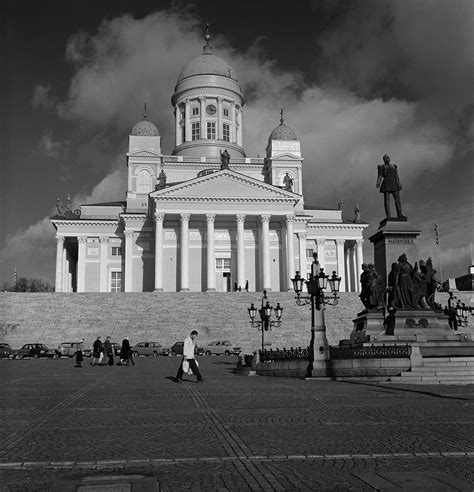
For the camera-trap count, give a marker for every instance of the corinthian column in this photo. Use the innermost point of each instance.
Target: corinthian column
(128, 260)
(359, 260)
(184, 218)
(81, 264)
(321, 246)
(265, 219)
(58, 287)
(202, 119)
(104, 245)
(187, 120)
(290, 248)
(211, 261)
(340, 264)
(159, 217)
(302, 249)
(220, 135)
(240, 250)
(177, 116)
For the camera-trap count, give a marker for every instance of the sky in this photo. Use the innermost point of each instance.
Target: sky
(356, 79)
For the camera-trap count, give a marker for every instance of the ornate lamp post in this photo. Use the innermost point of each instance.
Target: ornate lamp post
(316, 284)
(458, 313)
(265, 322)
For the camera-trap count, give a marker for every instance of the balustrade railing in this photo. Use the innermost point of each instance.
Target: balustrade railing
(371, 352)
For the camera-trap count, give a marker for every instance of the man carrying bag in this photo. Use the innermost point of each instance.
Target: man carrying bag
(188, 357)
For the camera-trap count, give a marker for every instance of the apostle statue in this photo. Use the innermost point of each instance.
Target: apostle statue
(288, 182)
(161, 179)
(388, 183)
(225, 159)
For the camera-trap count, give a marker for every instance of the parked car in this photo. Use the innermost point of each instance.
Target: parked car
(177, 349)
(5, 350)
(116, 347)
(221, 348)
(149, 348)
(69, 349)
(35, 350)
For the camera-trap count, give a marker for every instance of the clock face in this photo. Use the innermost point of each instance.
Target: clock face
(211, 109)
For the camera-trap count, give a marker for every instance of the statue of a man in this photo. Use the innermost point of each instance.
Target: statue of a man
(288, 182)
(225, 159)
(356, 214)
(389, 184)
(162, 179)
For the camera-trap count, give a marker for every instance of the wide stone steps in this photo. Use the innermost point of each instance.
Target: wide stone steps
(440, 370)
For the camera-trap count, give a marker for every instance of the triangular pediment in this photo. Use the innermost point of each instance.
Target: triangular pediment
(144, 153)
(286, 157)
(226, 185)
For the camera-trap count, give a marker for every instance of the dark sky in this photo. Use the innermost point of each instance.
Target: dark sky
(356, 78)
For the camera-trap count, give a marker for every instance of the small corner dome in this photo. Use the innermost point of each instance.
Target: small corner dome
(282, 132)
(207, 64)
(145, 128)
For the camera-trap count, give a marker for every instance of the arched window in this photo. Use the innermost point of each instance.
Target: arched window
(144, 181)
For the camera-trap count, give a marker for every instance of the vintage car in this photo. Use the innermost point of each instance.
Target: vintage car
(5, 350)
(177, 349)
(35, 350)
(149, 348)
(69, 349)
(221, 348)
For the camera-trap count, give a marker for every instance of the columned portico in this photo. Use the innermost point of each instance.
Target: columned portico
(302, 249)
(265, 220)
(211, 261)
(128, 260)
(81, 263)
(290, 250)
(59, 263)
(240, 250)
(159, 217)
(340, 264)
(184, 221)
(104, 244)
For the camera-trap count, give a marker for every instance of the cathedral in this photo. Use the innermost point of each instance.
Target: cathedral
(207, 217)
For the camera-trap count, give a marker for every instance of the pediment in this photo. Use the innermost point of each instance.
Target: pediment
(226, 185)
(286, 157)
(144, 153)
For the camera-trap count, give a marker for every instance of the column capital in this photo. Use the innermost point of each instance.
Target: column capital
(290, 218)
(128, 234)
(321, 242)
(202, 98)
(82, 240)
(220, 99)
(359, 242)
(60, 239)
(232, 103)
(302, 235)
(240, 217)
(159, 216)
(340, 242)
(265, 218)
(210, 218)
(184, 217)
(187, 101)
(104, 240)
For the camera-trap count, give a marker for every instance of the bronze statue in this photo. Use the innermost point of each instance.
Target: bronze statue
(372, 288)
(288, 182)
(389, 184)
(365, 286)
(225, 159)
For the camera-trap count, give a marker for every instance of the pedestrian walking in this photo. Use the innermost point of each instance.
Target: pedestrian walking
(97, 350)
(79, 354)
(109, 351)
(188, 356)
(126, 353)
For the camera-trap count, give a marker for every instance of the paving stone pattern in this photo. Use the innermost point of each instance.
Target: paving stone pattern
(62, 426)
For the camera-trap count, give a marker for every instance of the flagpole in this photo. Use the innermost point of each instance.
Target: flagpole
(436, 228)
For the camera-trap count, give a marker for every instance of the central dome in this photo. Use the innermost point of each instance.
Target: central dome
(207, 64)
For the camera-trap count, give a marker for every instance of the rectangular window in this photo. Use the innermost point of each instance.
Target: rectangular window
(226, 263)
(218, 263)
(195, 135)
(116, 282)
(226, 112)
(211, 130)
(226, 132)
(116, 250)
(309, 253)
(195, 111)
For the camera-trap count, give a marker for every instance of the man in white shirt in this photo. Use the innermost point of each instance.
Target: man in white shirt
(188, 355)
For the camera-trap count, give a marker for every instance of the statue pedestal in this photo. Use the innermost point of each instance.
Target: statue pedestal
(394, 237)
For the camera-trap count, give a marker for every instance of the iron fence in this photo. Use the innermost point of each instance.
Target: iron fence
(284, 354)
(372, 352)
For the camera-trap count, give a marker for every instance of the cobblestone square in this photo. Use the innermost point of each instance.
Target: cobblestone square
(109, 428)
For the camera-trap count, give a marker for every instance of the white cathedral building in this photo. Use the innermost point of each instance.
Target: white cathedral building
(198, 220)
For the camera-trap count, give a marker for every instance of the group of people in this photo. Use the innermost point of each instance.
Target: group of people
(105, 349)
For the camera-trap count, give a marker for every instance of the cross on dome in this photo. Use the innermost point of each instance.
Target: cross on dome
(207, 37)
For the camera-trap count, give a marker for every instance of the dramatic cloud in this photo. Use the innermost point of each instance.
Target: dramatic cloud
(51, 148)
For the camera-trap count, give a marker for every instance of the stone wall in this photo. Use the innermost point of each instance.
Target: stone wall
(52, 318)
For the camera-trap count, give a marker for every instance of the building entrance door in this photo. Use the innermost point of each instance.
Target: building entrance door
(223, 276)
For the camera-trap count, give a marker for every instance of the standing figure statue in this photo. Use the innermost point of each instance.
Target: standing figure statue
(356, 214)
(288, 182)
(225, 159)
(389, 184)
(162, 179)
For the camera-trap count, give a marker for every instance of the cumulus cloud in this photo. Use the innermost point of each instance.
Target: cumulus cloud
(43, 97)
(49, 147)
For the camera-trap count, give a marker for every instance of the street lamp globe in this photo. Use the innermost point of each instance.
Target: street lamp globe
(334, 283)
(278, 311)
(298, 282)
(252, 311)
(322, 279)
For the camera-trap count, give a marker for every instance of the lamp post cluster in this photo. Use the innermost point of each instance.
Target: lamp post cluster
(458, 312)
(316, 285)
(264, 322)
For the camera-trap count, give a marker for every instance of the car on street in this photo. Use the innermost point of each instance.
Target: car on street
(116, 347)
(5, 350)
(177, 349)
(223, 347)
(69, 349)
(35, 350)
(149, 348)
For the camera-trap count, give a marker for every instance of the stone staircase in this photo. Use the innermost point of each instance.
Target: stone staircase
(439, 370)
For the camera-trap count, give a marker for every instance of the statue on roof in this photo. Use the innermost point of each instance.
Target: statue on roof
(60, 207)
(161, 179)
(225, 159)
(68, 202)
(356, 214)
(340, 204)
(288, 182)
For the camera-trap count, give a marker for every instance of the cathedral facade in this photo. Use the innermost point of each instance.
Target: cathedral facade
(206, 217)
